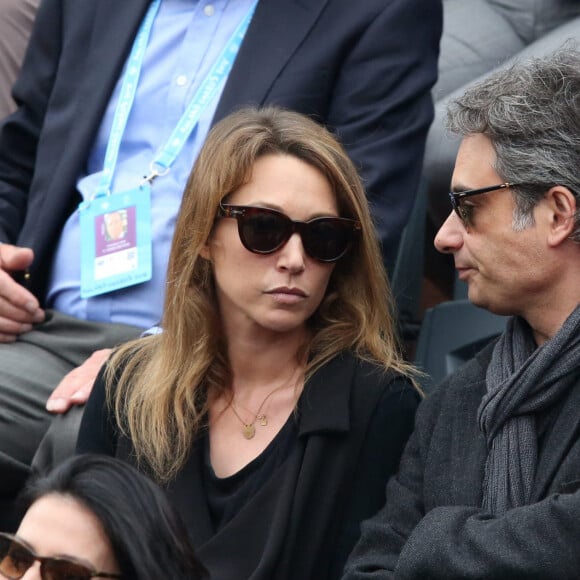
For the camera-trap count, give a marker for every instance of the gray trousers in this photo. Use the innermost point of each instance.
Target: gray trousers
(30, 369)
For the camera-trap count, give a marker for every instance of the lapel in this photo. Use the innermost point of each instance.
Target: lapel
(335, 412)
(275, 33)
(560, 439)
(467, 451)
(109, 45)
(325, 403)
(456, 449)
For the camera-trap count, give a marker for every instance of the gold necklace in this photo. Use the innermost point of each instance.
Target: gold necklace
(249, 429)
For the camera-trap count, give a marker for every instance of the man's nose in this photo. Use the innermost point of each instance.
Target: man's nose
(449, 238)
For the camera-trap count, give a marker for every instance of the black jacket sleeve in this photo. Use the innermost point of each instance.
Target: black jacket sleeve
(98, 431)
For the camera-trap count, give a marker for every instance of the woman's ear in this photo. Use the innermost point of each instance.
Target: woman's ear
(205, 252)
(562, 211)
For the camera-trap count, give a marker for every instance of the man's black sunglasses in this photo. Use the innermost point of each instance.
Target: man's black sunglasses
(16, 558)
(456, 198)
(264, 230)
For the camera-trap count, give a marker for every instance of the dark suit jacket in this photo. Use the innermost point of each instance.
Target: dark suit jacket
(364, 68)
(432, 525)
(353, 423)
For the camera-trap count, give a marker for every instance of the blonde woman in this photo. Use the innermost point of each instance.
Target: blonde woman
(275, 404)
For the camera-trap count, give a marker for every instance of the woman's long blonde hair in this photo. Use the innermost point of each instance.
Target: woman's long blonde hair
(158, 386)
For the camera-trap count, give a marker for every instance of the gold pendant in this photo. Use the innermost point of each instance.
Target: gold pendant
(263, 420)
(249, 431)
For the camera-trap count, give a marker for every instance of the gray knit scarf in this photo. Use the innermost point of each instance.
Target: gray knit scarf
(522, 380)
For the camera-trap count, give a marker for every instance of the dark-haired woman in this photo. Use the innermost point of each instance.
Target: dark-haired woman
(97, 517)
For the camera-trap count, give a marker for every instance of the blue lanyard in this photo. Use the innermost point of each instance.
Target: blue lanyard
(165, 158)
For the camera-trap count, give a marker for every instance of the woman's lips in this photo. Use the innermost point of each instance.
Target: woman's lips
(284, 295)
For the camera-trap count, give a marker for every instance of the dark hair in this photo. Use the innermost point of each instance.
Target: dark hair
(147, 535)
(531, 113)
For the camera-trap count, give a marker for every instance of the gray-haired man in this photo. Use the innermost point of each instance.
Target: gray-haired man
(489, 485)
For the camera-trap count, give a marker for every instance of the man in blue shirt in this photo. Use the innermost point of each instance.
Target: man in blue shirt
(96, 81)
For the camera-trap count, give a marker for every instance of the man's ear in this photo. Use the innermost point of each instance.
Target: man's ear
(562, 211)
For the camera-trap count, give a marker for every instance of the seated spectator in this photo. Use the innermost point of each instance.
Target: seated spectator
(363, 69)
(95, 516)
(488, 486)
(16, 19)
(478, 37)
(275, 404)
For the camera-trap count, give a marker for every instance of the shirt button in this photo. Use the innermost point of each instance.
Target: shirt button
(181, 80)
(209, 10)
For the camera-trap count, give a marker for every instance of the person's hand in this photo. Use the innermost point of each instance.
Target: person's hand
(76, 386)
(19, 308)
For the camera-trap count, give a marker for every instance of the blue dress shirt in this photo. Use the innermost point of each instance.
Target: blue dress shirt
(186, 39)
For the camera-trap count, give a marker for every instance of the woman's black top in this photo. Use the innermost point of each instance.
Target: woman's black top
(226, 496)
(293, 513)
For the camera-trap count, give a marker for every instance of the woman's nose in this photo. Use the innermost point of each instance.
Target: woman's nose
(33, 573)
(292, 255)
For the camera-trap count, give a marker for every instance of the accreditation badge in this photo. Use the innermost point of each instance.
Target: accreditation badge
(115, 241)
